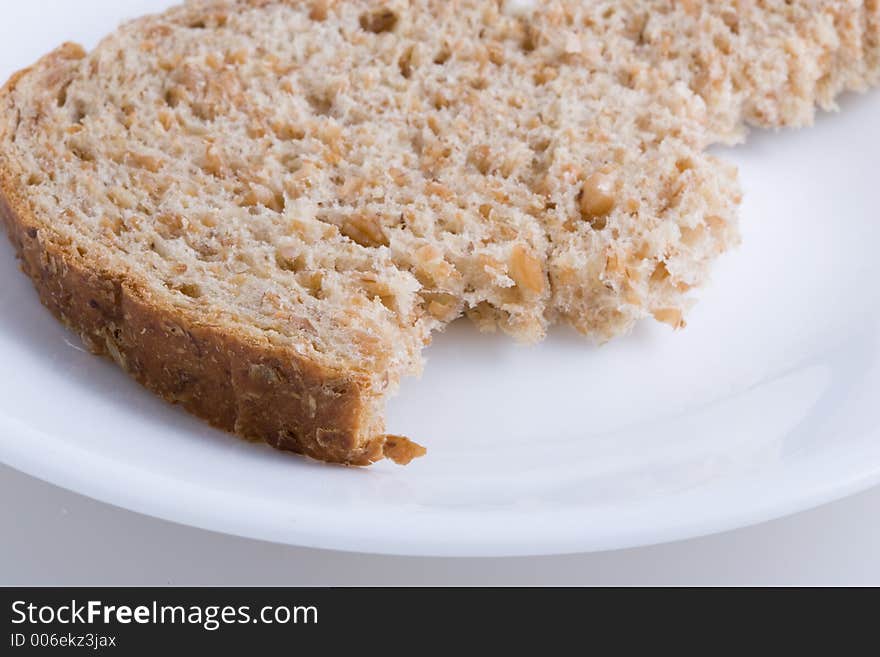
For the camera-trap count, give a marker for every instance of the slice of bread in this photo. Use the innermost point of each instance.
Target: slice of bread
(262, 209)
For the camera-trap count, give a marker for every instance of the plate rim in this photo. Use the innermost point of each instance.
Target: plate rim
(128, 488)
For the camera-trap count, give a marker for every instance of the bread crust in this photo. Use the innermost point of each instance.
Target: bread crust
(259, 391)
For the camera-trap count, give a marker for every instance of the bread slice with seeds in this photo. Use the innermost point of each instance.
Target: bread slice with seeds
(262, 209)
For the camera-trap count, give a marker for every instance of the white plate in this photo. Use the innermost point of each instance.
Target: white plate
(767, 404)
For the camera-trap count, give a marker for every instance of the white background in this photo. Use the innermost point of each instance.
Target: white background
(51, 536)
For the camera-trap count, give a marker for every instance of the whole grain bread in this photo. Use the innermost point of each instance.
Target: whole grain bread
(262, 209)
